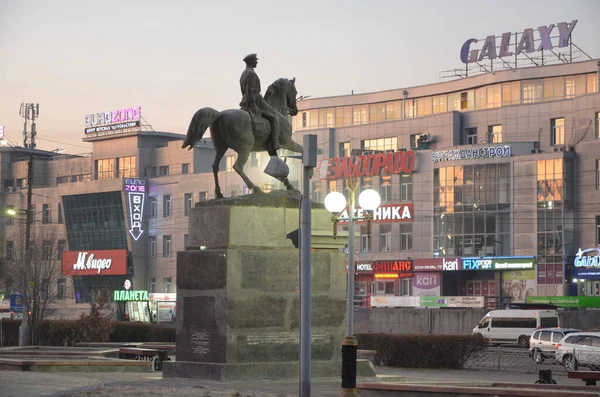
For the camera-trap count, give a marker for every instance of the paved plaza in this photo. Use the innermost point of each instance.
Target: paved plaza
(115, 384)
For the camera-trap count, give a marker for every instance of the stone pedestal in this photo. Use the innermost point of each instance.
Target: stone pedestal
(238, 293)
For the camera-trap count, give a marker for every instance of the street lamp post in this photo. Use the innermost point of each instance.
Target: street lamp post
(335, 202)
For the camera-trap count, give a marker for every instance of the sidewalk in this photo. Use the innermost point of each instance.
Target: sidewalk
(115, 384)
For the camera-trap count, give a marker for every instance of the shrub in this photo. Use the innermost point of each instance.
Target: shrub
(10, 332)
(97, 325)
(58, 332)
(422, 351)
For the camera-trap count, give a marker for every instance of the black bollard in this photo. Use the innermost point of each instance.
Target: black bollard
(349, 352)
(545, 377)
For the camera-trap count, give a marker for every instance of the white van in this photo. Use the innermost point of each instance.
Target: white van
(515, 326)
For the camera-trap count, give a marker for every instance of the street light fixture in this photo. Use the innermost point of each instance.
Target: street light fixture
(335, 202)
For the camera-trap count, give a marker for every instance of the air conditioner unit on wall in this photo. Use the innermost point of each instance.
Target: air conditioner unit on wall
(424, 138)
(11, 189)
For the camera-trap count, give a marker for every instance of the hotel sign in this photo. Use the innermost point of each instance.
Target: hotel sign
(471, 153)
(113, 120)
(587, 258)
(368, 165)
(526, 44)
(385, 213)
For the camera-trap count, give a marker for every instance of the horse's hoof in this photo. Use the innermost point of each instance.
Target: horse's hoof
(219, 196)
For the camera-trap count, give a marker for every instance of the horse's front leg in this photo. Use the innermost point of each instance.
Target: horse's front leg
(239, 168)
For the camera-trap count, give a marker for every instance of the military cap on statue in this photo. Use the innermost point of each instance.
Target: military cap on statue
(249, 57)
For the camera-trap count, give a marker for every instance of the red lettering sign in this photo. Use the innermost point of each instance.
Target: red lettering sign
(94, 263)
(392, 266)
(369, 165)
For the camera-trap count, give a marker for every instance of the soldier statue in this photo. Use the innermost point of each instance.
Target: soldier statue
(253, 102)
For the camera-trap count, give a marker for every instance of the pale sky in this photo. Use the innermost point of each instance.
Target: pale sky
(76, 57)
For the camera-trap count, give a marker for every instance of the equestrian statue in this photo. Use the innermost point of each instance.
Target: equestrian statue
(260, 125)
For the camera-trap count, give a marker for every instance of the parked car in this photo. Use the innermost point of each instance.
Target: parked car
(579, 349)
(514, 326)
(542, 343)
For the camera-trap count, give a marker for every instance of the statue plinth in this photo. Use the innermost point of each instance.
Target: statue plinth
(238, 293)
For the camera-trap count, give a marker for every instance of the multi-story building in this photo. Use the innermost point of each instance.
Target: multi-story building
(490, 186)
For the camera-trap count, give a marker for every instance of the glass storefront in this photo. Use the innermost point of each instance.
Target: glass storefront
(471, 210)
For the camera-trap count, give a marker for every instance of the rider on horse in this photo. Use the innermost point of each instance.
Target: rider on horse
(253, 102)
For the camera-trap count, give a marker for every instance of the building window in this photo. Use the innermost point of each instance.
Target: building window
(385, 188)
(331, 186)
(385, 238)
(345, 149)
(152, 240)
(203, 196)
(360, 114)
(185, 241)
(407, 289)
(598, 125)
(365, 240)
(126, 167)
(558, 131)
(163, 170)
(105, 169)
(60, 214)
(414, 141)
(597, 230)
(380, 144)
(150, 171)
(406, 237)
(10, 220)
(316, 191)
(469, 136)
(254, 159)
(185, 168)
(153, 207)
(187, 203)
(33, 213)
(167, 205)
(167, 246)
(61, 288)
(46, 213)
(533, 91)
(597, 173)
(61, 249)
(152, 285)
(10, 250)
(46, 250)
(495, 134)
(229, 161)
(406, 188)
(167, 285)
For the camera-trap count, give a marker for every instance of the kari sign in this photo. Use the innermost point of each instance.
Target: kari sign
(510, 47)
(385, 213)
(426, 284)
(393, 269)
(368, 165)
(471, 153)
(94, 263)
(437, 264)
(113, 120)
(136, 193)
(587, 258)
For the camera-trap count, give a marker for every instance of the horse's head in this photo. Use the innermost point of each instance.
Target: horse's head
(282, 93)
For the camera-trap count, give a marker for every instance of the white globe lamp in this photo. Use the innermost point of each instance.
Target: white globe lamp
(335, 202)
(369, 200)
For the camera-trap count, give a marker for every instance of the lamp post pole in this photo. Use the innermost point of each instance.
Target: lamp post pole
(349, 344)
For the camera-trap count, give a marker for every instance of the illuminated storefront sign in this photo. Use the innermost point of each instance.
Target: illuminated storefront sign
(136, 193)
(94, 263)
(471, 153)
(587, 258)
(385, 213)
(130, 295)
(437, 264)
(364, 267)
(393, 269)
(526, 43)
(113, 120)
(498, 263)
(368, 165)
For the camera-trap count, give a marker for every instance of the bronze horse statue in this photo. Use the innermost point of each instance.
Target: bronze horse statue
(232, 128)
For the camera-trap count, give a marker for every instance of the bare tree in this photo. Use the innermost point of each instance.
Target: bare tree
(35, 274)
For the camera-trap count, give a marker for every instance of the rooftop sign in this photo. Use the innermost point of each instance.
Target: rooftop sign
(471, 153)
(113, 120)
(368, 165)
(526, 44)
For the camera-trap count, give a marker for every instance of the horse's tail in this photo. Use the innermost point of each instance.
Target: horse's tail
(203, 119)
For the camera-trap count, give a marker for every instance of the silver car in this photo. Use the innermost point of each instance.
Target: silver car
(542, 343)
(579, 349)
